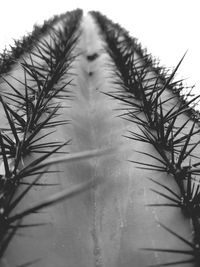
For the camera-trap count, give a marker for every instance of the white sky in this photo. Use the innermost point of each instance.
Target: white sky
(166, 27)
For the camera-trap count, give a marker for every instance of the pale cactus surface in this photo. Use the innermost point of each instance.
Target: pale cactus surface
(99, 153)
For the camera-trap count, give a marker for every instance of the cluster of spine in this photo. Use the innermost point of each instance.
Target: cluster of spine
(143, 86)
(10, 56)
(163, 73)
(28, 111)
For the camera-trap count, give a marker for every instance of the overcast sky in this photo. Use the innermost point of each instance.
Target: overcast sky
(166, 27)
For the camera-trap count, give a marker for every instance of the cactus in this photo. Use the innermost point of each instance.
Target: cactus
(91, 123)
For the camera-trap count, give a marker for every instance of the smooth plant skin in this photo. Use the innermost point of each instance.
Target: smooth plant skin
(32, 112)
(160, 130)
(23, 129)
(99, 152)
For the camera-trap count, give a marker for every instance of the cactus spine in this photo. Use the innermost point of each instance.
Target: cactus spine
(83, 86)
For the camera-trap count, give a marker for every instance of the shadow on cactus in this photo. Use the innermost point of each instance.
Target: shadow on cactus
(28, 112)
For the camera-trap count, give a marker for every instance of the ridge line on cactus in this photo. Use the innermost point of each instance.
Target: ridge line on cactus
(171, 162)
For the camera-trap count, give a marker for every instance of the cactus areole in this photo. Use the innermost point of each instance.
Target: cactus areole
(99, 151)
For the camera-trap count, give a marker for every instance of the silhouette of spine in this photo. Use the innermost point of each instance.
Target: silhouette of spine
(90, 120)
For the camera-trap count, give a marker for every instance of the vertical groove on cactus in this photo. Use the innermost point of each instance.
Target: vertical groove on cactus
(28, 119)
(91, 118)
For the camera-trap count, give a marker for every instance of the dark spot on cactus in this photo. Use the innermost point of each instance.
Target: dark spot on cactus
(92, 57)
(90, 73)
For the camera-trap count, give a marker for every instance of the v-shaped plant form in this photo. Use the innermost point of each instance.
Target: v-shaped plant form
(82, 88)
